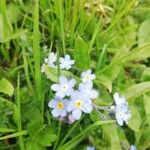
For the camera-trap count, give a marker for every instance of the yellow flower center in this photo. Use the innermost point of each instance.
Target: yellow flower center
(78, 103)
(87, 77)
(60, 105)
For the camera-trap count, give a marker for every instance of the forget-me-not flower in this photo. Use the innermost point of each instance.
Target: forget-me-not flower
(87, 88)
(64, 88)
(119, 100)
(90, 148)
(87, 76)
(79, 102)
(66, 62)
(51, 60)
(59, 107)
(133, 147)
(122, 112)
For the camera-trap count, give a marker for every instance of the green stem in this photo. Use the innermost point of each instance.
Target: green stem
(58, 135)
(24, 132)
(69, 133)
(19, 114)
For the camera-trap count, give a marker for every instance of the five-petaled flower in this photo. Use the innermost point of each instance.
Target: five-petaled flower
(64, 88)
(87, 76)
(59, 107)
(87, 88)
(66, 62)
(79, 102)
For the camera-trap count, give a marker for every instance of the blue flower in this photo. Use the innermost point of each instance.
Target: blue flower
(59, 107)
(87, 88)
(64, 88)
(79, 102)
(133, 147)
(119, 99)
(122, 111)
(87, 76)
(66, 62)
(90, 148)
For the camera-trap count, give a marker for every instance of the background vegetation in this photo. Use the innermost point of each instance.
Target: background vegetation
(112, 37)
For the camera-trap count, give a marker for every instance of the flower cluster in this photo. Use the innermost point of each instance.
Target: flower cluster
(71, 101)
(64, 62)
(122, 112)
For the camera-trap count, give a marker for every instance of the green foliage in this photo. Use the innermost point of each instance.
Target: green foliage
(81, 54)
(6, 87)
(110, 37)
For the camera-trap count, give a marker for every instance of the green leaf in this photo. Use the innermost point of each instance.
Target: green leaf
(75, 140)
(6, 87)
(145, 75)
(110, 131)
(14, 35)
(107, 76)
(137, 90)
(146, 100)
(34, 127)
(135, 120)
(33, 145)
(52, 74)
(81, 54)
(5, 130)
(45, 137)
(143, 33)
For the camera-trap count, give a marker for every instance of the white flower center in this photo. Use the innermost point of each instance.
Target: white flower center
(64, 88)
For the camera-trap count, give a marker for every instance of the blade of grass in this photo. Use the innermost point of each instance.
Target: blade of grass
(37, 54)
(21, 142)
(26, 69)
(24, 132)
(81, 136)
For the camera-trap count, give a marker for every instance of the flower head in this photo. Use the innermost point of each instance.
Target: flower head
(87, 76)
(64, 88)
(119, 99)
(87, 88)
(122, 114)
(133, 147)
(59, 107)
(66, 62)
(51, 60)
(90, 148)
(79, 102)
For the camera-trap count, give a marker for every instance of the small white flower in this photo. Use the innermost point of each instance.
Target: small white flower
(121, 109)
(119, 99)
(51, 60)
(66, 62)
(90, 148)
(59, 107)
(87, 76)
(79, 102)
(133, 147)
(64, 88)
(87, 88)
(122, 114)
